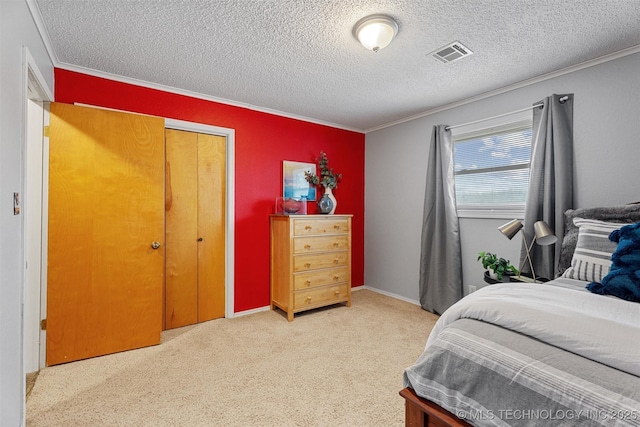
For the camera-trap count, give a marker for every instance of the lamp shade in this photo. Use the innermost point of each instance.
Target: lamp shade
(375, 32)
(544, 234)
(511, 228)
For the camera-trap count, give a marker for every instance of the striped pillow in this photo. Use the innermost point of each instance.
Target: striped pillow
(592, 257)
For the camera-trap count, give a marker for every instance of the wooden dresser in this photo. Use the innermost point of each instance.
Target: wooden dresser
(310, 261)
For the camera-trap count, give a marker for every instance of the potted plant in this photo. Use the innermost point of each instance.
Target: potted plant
(497, 267)
(329, 180)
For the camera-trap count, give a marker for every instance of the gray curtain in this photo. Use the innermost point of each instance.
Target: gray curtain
(440, 259)
(550, 178)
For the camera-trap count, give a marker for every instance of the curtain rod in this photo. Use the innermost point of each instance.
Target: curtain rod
(562, 101)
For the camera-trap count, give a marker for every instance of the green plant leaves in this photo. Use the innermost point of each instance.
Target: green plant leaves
(500, 266)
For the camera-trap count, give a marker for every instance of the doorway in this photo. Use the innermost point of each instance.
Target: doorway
(195, 227)
(37, 94)
(227, 263)
(229, 214)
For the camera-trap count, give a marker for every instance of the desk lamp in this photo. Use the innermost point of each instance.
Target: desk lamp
(542, 235)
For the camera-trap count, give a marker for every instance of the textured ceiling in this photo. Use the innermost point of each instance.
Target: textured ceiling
(299, 57)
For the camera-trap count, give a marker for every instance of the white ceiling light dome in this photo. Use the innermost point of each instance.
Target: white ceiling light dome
(375, 32)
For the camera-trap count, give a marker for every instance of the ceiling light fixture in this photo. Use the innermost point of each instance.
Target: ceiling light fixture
(375, 32)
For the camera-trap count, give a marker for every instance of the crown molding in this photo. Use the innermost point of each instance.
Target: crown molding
(42, 29)
(44, 35)
(587, 64)
(197, 95)
(37, 17)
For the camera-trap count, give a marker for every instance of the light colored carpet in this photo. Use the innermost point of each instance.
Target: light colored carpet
(334, 366)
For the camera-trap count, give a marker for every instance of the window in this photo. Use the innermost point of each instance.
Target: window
(492, 168)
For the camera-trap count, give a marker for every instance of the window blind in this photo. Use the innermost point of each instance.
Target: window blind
(492, 165)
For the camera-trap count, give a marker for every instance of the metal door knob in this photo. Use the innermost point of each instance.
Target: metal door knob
(155, 245)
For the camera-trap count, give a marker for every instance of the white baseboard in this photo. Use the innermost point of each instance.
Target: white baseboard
(357, 288)
(252, 311)
(389, 294)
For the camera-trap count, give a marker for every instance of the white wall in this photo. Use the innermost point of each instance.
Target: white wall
(17, 30)
(606, 151)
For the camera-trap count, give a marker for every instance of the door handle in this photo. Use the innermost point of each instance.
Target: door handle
(155, 245)
(200, 239)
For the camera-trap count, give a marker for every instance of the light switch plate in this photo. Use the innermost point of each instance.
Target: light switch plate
(16, 203)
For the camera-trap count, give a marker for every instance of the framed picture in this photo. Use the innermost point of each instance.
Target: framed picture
(293, 183)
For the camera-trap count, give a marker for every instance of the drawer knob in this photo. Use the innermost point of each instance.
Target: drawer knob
(308, 300)
(307, 265)
(308, 227)
(336, 261)
(337, 227)
(307, 246)
(308, 283)
(336, 244)
(337, 293)
(336, 278)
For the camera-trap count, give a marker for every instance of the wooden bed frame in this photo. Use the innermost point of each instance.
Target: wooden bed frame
(420, 412)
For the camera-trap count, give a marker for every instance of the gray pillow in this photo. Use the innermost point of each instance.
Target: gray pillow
(592, 257)
(623, 213)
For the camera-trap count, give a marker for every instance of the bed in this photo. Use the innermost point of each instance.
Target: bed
(532, 354)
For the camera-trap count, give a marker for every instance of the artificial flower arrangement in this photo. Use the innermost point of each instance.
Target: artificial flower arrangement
(328, 178)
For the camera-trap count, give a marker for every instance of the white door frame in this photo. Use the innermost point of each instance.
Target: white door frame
(32, 211)
(35, 88)
(229, 134)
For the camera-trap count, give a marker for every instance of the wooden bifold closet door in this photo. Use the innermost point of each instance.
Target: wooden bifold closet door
(195, 228)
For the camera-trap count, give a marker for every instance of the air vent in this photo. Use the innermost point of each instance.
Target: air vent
(451, 53)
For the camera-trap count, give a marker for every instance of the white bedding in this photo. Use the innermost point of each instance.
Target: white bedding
(562, 313)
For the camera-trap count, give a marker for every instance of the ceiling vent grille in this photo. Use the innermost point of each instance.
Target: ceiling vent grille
(452, 52)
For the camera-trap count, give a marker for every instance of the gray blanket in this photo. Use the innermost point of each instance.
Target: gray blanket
(562, 313)
(491, 376)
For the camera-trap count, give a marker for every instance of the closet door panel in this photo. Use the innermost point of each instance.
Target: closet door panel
(211, 226)
(181, 204)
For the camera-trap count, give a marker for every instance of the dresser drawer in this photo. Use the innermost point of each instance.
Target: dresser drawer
(320, 296)
(303, 245)
(306, 227)
(323, 277)
(323, 260)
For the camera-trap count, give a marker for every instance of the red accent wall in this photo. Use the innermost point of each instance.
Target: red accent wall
(262, 142)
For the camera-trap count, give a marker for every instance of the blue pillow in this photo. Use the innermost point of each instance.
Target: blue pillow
(623, 280)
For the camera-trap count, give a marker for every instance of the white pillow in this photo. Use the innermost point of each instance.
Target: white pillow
(592, 257)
